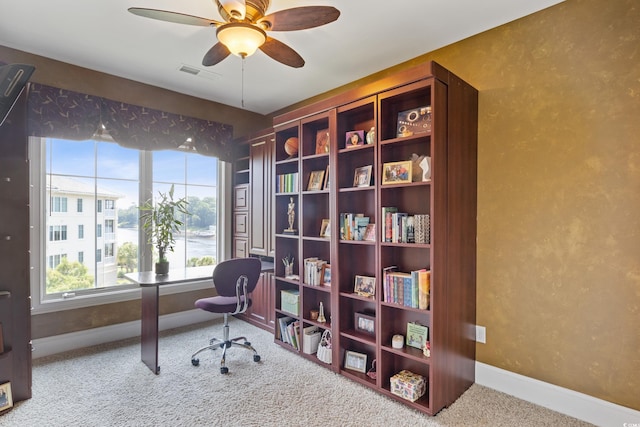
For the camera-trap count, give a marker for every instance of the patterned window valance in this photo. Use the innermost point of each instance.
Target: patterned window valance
(60, 113)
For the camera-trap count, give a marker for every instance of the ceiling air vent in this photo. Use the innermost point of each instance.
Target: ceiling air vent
(189, 70)
(195, 71)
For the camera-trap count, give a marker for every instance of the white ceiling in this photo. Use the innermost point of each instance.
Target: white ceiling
(369, 36)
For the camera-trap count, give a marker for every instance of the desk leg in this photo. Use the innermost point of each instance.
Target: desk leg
(150, 297)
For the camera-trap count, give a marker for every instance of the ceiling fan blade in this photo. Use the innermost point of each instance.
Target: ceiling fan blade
(178, 18)
(282, 53)
(237, 9)
(300, 18)
(216, 54)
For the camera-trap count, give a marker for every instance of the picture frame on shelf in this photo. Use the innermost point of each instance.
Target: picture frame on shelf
(325, 228)
(354, 138)
(365, 286)
(355, 361)
(322, 141)
(364, 323)
(362, 176)
(397, 172)
(6, 399)
(415, 120)
(326, 274)
(326, 179)
(316, 179)
(417, 335)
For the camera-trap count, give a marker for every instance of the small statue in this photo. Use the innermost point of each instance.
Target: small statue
(321, 318)
(291, 216)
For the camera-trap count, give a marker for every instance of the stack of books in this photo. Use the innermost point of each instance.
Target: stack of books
(400, 227)
(314, 271)
(287, 183)
(290, 331)
(408, 289)
(355, 226)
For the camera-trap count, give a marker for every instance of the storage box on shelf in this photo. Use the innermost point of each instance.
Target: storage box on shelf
(414, 151)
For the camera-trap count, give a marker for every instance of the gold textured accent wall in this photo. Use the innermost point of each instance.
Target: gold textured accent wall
(558, 276)
(558, 264)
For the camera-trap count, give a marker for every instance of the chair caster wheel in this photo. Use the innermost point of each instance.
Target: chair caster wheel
(195, 362)
(256, 358)
(224, 370)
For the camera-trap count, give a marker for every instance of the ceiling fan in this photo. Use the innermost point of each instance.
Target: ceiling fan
(245, 27)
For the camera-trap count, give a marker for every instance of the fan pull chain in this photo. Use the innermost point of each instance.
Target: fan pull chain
(242, 95)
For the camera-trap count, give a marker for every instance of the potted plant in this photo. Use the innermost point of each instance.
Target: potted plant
(160, 221)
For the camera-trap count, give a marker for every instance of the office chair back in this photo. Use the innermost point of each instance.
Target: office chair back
(226, 275)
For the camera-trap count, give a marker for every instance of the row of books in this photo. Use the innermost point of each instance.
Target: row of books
(287, 183)
(356, 226)
(408, 289)
(400, 227)
(314, 271)
(289, 331)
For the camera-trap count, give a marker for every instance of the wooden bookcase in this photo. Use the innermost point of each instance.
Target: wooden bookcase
(448, 197)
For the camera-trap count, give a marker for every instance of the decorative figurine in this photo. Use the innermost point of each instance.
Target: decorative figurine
(291, 216)
(321, 317)
(427, 349)
(371, 136)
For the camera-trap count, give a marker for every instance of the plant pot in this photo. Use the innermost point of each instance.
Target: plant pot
(162, 268)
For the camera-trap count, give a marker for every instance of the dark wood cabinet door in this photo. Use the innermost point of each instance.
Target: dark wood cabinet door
(260, 229)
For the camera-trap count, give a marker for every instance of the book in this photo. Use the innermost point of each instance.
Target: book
(387, 212)
(424, 285)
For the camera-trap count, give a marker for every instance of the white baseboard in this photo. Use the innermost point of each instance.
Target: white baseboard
(568, 402)
(90, 337)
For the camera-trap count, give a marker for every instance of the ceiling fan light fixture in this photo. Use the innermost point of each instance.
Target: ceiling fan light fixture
(242, 39)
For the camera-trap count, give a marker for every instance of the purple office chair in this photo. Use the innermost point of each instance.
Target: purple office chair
(234, 280)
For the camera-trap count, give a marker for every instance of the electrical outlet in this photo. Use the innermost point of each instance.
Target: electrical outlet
(481, 334)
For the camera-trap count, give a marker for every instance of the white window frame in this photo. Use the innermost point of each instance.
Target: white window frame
(38, 242)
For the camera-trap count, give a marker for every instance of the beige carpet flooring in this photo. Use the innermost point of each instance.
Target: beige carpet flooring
(107, 385)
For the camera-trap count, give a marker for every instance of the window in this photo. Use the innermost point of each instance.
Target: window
(59, 204)
(109, 250)
(108, 183)
(57, 232)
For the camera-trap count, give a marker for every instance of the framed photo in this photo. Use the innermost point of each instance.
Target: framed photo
(365, 286)
(417, 335)
(354, 138)
(355, 361)
(6, 401)
(326, 179)
(325, 228)
(414, 121)
(365, 323)
(322, 141)
(316, 178)
(326, 274)
(362, 177)
(396, 172)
